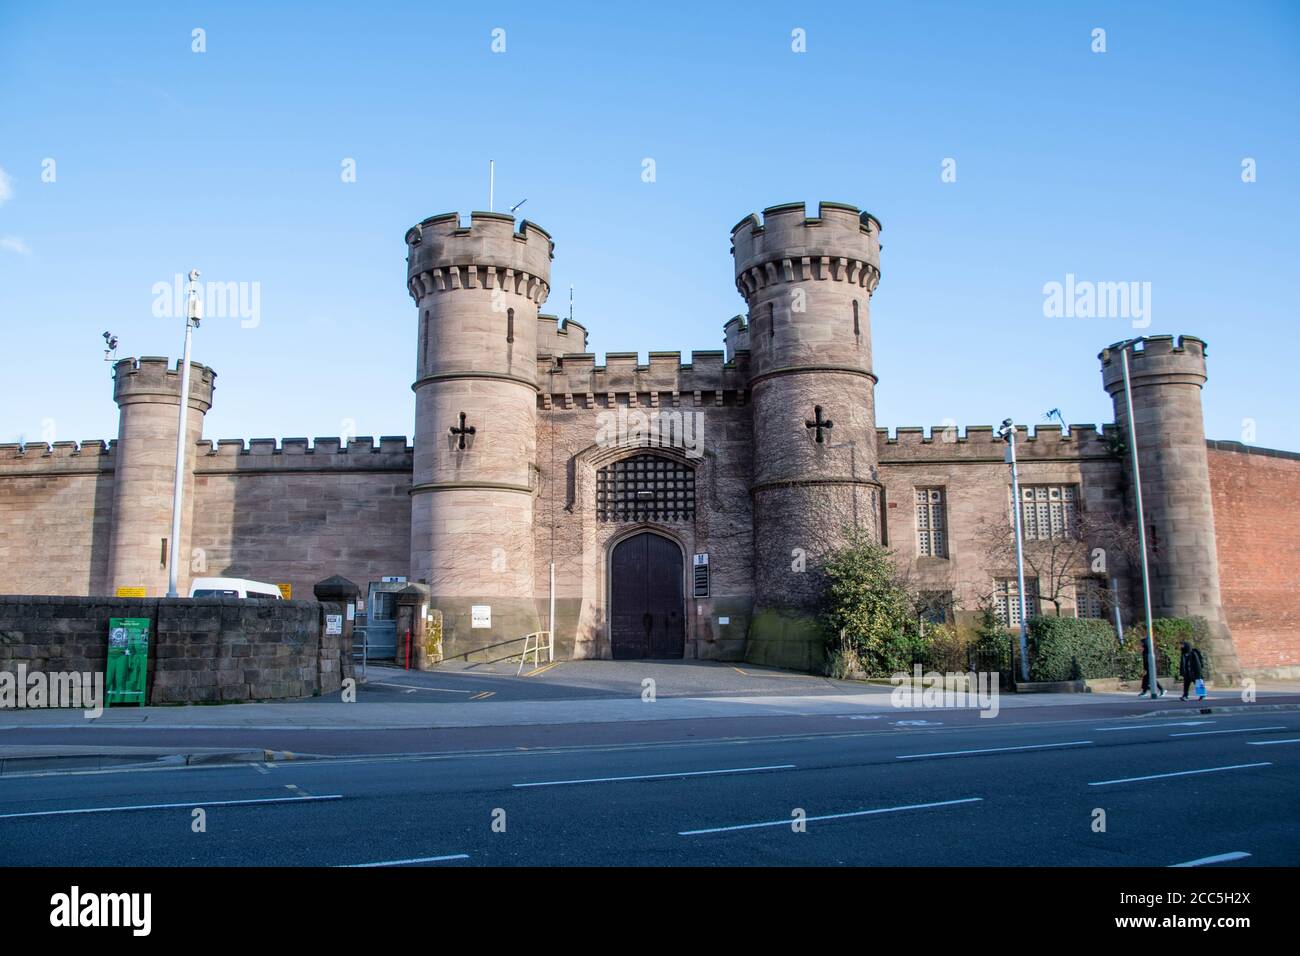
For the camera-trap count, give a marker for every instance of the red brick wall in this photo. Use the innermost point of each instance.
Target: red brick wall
(1257, 526)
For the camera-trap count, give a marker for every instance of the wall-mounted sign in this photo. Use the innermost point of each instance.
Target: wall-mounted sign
(128, 660)
(480, 615)
(724, 620)
(394, 579)
(130, 592)
(333, 623)
(352, 612)
(286, 590)
(701, 576)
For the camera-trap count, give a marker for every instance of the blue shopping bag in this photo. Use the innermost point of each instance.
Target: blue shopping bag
(1200, 687)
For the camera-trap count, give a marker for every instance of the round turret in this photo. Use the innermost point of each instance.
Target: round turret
(147, 392)
(478, 290)
(808, 284)
(1167, 376)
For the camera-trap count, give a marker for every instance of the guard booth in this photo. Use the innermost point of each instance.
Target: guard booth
(381, 618)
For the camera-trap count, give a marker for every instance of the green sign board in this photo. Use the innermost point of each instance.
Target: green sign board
(128, 660)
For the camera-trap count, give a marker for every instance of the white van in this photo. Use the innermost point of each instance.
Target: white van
(233, 587)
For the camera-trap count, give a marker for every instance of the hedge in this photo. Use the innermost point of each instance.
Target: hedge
(1066, 648)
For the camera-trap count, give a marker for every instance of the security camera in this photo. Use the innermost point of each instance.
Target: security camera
(110, 342)
(1007, 427)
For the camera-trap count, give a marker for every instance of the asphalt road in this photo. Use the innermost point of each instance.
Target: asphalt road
(1172, 791)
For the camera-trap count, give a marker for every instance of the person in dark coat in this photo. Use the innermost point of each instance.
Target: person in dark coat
(1193, 667)
(1146, 674)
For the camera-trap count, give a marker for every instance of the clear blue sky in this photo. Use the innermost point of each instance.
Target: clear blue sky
(1121, 166)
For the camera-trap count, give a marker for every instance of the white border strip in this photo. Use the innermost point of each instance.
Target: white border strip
(1235, 730)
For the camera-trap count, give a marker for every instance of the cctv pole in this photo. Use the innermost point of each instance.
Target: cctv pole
(1020, 553)
(192, 316)
(1141, 520)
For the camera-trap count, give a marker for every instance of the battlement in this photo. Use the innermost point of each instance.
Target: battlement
(490, 253)
(624, 376)
(841, 243)
(735, 334)
(228, 455)
(981, 443)
(1155, 360)
(556, 339)
(152, 379)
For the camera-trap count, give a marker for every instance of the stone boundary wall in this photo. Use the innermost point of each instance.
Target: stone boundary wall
(202, 650)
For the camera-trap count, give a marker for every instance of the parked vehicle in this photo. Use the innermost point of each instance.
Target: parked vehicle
(233, 587)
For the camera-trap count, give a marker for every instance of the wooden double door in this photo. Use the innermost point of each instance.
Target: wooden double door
(647, 601)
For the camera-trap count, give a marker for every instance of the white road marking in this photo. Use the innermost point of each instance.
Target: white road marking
(440, 690)
(831, 816)
(1221, 858)
(1159, 726)
(991, 750)
(1235, 730)
(657, 776)
(169, 806)
(418, 859)
(1180, 773)
(1266, 743)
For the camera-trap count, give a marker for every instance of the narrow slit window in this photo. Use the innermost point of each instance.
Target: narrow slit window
(510, 325)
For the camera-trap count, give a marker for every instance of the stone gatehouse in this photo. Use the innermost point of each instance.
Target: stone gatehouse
(680, 505)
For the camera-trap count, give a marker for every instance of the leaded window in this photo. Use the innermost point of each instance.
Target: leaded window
(1049, 511)
(931, 533)
(1089, 598)
(645, 488)
(1006, 600)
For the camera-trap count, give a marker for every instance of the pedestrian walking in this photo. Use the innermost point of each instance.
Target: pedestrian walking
(1192, 666)
(1147, 677)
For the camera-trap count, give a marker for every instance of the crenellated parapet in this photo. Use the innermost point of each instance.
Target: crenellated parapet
(489, 254)
(234, 455)
(735, 333)
(980, 443)
(1155, 360)
(707, 379)
(559, 338)
(154, 380)
(37, 459)
(840, 244)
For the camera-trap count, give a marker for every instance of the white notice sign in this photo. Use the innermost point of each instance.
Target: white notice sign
(333, 623)
(480, 615)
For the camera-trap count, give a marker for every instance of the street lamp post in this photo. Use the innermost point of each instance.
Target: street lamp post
(1141, 520)
(193, 315)
(1008, 431)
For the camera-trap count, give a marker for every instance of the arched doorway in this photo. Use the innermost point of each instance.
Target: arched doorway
(647, 611)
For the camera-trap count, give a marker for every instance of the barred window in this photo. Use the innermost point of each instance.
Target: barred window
(1049, 511)
(931, 529)
(645, 488)
(1006, 600)
(1090, 598)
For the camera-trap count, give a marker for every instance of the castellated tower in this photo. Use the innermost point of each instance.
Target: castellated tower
(148, 395)
(808, 284)
(478, 290)
(1166, 380)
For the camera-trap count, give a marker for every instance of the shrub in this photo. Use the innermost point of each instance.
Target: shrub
(867, 609)
(991, 649)
(945, 650)
(1170, 634)
(1067, 648)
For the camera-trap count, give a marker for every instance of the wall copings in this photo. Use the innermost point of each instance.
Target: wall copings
(981, 443)
(231, 455)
